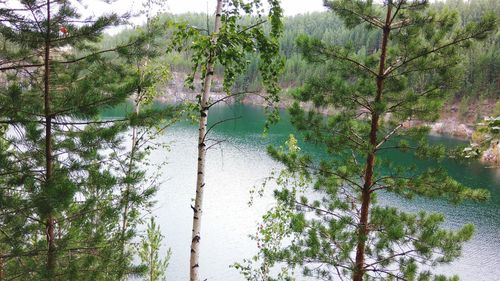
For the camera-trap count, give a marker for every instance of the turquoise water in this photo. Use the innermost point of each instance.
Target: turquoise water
(240, 163)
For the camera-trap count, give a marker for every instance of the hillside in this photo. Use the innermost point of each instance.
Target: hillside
(468, 103)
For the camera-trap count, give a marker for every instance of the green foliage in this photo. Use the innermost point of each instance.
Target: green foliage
(463, 107)
(139, 176)
(479, 68)
(496, 111)
(239, 37)
(318, 225)
(82, 182)
(149, 252)
(485, 137)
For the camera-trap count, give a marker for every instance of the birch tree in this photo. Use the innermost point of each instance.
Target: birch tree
(194, 261)
(227, 45)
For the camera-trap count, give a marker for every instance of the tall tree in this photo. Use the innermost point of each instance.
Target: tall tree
(32, 69)
(340, 230)
(194, 261)
(149, 252)
(227, 46)
(481, 62)
(138, 176)
(61, 194)
(37, 34)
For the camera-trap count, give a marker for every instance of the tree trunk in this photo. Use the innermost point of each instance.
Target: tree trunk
(202, 149)
(363, 230)
(152, 263)
(50, 221)
(133, 150)
(126, 195)
(1, 269)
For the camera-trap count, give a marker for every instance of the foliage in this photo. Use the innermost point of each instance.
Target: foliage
(149, 252)
(496, 111)
(333, 225)
(64, 177)
(484, 138)
(228, 45)
(239, 38)
(486, 135)
(463, 107)
(480, 64)
(139, 175)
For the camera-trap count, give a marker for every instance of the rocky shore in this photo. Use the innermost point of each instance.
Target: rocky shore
(448, 126)
(453, 128)
(492, 154)
(450, 123)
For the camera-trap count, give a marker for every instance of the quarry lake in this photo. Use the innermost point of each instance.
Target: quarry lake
(240, 162)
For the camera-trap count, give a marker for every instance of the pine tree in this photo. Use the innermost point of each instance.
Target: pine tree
(149, 252)
(60, 189)
(340, 230)
(139, 176)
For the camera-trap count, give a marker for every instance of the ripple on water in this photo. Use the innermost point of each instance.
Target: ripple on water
(243, 163)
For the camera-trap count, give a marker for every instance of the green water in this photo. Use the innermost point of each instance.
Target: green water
(240, 163)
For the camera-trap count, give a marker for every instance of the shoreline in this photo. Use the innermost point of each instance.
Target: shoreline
(453, 121)
(448, 127)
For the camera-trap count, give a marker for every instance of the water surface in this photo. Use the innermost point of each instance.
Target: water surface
(240, 162)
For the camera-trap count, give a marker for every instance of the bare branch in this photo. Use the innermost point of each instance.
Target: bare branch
(388, 136)
(217, 123)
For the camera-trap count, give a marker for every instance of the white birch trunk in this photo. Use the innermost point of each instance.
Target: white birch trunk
(202, 149)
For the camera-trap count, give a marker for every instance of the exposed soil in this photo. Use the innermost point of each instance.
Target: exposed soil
(457, 119)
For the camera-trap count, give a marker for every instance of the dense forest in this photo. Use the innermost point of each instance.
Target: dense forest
(78, 188)
(480, 66)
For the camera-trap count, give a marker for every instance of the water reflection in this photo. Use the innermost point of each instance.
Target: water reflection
(241, 162)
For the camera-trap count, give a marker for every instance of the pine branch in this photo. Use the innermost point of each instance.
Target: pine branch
(227, 97)
(353, 61)
(32, 11)
(93, 104)
(68, 61)
(89, 122)
(434, 50)
(420, 95)
(11, 122)
(251, 27)
(374, 21)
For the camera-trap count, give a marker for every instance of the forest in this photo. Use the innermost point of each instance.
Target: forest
(86, 145)
(480, 65)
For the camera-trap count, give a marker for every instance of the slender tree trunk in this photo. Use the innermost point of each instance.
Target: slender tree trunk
(363, 230)
(133, 150)
(126, 196)
(128, 186)
(50, 221)
(202, 149)
(1, 269)
(152, 263)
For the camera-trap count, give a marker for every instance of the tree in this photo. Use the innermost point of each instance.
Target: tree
(485, 142)
(149, 253)
(327, 208)
(139, 177)
(60, 192)
(194, 263)
(227, 46)
(480, 64)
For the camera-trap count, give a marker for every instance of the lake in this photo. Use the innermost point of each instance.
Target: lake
(240, 163)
